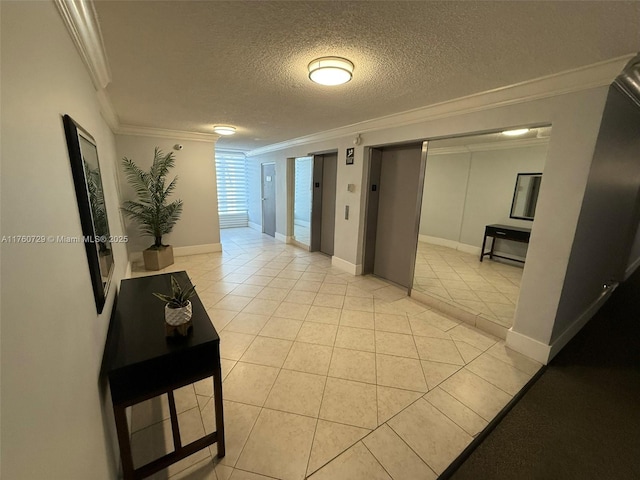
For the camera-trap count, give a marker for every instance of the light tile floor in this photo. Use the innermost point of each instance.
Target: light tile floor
(488, 288)
(326, 374)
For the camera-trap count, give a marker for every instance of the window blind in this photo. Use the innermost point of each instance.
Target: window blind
(231, 172)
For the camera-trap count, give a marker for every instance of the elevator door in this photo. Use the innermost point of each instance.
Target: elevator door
(399, 184)
(329, 171)
(324, 203)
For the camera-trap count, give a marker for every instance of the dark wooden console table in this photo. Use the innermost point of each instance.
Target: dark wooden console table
(141, 363)
(503, 232)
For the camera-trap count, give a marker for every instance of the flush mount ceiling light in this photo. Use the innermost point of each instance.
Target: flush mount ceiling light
(515, 133)
(224, 130)
(330, 70)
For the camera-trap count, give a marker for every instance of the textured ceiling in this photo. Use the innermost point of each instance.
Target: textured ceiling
(187, 65)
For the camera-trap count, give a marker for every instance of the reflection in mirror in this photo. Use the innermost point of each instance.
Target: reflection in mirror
(85, 167)
(469, 185)
(98, 209)
(525, 196)
(303, 170)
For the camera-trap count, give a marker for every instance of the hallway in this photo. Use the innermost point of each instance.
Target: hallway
(328, 375)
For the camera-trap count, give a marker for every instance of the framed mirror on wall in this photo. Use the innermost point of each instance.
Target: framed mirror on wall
(85, 168)
(525, 196)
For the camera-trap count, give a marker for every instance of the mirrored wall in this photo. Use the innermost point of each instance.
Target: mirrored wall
(303, 174)
(470, 189)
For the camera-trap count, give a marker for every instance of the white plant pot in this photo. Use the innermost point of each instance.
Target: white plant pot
(177, 316)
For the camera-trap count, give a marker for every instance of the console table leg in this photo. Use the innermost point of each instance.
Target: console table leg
(123, 441)
(175, 428)
(217, 398)
(484, 243)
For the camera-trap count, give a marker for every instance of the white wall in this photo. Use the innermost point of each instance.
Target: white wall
(443, 199)
(56, 422)
(464, 192)
(196, 187)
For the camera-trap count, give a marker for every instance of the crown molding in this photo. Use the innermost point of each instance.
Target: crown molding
(234, 151)
(81, 20)
(107, 111)
(163, 133)
(562, 83)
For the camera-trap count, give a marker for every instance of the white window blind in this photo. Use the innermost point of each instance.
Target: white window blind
(231, 171)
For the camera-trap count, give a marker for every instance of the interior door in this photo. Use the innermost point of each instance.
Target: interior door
(269, 199)
(400, 172)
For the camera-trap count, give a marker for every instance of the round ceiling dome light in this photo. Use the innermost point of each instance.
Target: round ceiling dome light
(224, 130)
(515, 133)
(330, 71)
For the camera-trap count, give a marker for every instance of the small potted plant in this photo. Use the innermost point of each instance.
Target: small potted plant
(177, 311)
(155, 214)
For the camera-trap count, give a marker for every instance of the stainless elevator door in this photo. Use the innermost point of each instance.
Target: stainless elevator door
(396, 237)
(323, 215)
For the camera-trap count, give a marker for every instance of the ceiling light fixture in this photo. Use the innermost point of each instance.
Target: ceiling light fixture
(515, 133)
(330, 70)
(224, 130)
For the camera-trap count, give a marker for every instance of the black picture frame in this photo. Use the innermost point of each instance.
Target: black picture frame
(94, 223)
(528, 200)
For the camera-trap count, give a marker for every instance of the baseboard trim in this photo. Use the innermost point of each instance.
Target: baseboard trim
(345, 266)
(197, 249)
(564, 338)
(136, 257)
(283, 238)
(255, 226)
(444, 242)
(528, 346)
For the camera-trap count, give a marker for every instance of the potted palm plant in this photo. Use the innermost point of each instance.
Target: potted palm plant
(177, 311)
(155, 215)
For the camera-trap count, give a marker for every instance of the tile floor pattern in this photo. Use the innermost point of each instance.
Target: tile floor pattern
(488, 288)
(327, 375)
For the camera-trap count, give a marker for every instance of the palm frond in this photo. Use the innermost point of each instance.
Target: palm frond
(154, 216)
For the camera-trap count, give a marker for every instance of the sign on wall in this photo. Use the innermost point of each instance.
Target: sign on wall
(350, 155)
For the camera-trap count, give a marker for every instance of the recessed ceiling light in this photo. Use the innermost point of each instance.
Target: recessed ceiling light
(224, 130)
(515, 133)
(330, 70)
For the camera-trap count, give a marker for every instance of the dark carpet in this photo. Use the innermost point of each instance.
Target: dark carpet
(581, 418)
